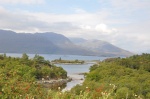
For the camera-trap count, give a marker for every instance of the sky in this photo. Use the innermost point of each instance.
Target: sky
(124, 23)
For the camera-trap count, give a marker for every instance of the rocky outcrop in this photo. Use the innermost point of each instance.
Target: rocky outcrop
(54, 83)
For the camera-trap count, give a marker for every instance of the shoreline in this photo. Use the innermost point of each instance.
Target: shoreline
(69, 63)
(86, 62)
(54, 83)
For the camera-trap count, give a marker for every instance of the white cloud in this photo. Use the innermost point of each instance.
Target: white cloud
(86, 27)
(113, 25)
(22, 1)
(137, 44)
(103, 28)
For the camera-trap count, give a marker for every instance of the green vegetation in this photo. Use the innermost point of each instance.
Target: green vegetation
(18, 76)
(127, 78)
(114, 78)
(60, 61)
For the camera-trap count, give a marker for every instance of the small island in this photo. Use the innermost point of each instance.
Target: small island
(61, 61)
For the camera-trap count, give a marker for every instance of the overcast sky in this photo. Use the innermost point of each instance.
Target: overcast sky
(124, 23)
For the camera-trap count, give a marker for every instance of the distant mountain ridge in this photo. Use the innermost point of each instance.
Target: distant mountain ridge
(101, 48)
(46, 43)
(38, 43)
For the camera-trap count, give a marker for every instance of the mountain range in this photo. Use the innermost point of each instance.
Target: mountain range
(54, 43)
(100, 47)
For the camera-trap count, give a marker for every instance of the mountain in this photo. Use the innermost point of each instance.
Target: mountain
(53, 43)
(11, 42)
(77, 40)
(38, 43)
(101, 48)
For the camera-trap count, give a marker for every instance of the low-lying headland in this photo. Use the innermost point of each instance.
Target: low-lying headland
(61, 61)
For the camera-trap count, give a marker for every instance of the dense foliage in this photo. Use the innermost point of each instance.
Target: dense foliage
(135, 62)
(126, 78)
(114, 78)
(18, 76)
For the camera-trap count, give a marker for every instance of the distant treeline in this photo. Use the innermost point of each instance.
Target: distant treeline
(59, 61)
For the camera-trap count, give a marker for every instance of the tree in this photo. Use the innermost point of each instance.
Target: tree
(38, 59)
(25, 56)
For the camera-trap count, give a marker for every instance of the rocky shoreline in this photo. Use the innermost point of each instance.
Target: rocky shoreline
(54, 83)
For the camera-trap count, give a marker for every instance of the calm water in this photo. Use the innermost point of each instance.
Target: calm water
(72, 70)
(65, 57)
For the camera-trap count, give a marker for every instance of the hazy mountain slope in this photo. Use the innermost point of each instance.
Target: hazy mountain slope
(77, 40)
(53, 43)
(55, 38)
(11, 42)
(64, 44)
(102, 48)
(38, 43)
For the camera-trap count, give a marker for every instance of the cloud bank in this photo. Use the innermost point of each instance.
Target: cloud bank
(123, 23)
